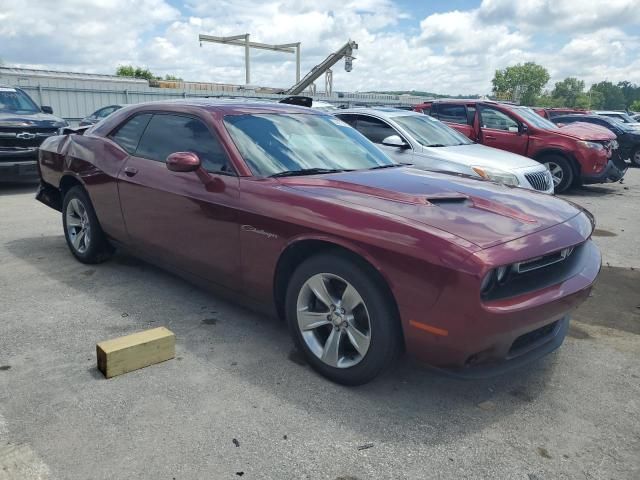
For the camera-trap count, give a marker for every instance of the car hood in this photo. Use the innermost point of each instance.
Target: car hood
(37, 119)
(586, 131)
(479, 155)
(480, 212)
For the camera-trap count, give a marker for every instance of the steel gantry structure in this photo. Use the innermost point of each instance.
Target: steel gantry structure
(243, 41)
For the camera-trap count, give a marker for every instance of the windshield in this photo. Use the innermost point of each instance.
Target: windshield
(621, 124)
(430, 132)
(623, 117)
(534, 119)
(277, 143)
(15, 101)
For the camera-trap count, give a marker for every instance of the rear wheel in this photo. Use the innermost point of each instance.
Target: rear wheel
(635, 157)
(82, 231)
(341, 319)
(561, 172)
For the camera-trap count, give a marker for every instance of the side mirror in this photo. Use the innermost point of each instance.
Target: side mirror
(395, 141)
(46, 109)
(523, 128)
(183, 162)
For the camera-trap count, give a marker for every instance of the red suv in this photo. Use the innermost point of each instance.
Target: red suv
(575, 154)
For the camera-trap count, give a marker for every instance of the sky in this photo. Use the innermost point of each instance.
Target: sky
(450, 47)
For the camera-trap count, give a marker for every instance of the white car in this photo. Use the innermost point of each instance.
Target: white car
(411, 137)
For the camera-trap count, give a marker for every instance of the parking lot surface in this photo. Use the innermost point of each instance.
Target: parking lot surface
(239, 402)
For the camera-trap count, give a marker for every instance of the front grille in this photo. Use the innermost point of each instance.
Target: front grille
(538, 273)
(539, 180)
(535, 336)
(11, 137)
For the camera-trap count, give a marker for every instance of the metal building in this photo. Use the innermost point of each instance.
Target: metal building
(75, 95)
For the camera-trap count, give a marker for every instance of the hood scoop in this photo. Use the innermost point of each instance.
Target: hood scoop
(377, 192)
(445, 200)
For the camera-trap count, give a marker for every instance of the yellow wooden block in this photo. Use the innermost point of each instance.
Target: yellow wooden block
(138, 350)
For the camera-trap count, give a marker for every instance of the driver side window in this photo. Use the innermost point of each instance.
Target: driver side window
(495, 119)
(374, 129)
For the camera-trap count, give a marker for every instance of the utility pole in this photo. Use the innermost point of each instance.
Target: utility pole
(244, 41)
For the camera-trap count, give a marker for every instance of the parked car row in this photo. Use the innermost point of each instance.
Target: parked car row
(624, 117)
(409, 137)
(574, 154)
(365, 255)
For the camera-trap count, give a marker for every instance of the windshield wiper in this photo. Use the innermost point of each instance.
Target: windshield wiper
(308, 171)
(392, 165)
(437, 145)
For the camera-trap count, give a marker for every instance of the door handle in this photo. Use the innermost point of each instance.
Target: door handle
(489, 137)
(130, 171)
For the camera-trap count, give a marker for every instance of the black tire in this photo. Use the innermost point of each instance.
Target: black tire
(384, 332)
(561, 169)
(94, 246)
(635, 157)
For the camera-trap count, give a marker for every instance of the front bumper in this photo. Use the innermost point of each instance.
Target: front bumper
(474, 337)
(19, 165)
(612, 172)
(544, 345)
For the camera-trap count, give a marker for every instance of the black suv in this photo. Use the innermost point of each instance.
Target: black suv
(628, 137)
(23, 127)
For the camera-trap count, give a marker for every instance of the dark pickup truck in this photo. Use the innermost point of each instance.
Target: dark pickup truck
(23, 127)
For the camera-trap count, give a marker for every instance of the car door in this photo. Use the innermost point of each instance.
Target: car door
(500, 130)
(376, 130)
(184, 219)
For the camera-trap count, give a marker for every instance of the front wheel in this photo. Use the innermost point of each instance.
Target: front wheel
(561, 172)
(82, 231)
(342, 319)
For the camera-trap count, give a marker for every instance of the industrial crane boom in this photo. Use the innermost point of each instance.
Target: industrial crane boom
(345, 51)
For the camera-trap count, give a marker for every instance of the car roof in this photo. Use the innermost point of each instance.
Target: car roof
(383, 112)
(609, 111)
(582, 117)
(229, 106)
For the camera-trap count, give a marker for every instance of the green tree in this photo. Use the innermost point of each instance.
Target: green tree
(631, 92)
(521, 82)
(635, 106)
(568, 90)
(584, 100)
(549, 101)
(172, 78)
(596, 99)
(613, 98)
(135, 72)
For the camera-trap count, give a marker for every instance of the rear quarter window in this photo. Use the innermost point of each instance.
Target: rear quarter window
(128, 134)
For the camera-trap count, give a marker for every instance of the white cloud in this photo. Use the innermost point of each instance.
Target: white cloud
(450, 52)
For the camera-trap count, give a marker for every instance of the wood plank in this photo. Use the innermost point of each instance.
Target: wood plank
(138, 350)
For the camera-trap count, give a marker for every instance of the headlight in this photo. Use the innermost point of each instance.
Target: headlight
(494, 277)
(496, 175)
(593, 145)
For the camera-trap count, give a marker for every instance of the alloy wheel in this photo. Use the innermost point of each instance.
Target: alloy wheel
(556, 173)
(333, 320)
(78, 226)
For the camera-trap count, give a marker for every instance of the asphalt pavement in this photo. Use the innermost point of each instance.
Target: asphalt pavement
(239, 402)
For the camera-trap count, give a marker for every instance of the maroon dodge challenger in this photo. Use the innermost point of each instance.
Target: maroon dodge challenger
(293, 210)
